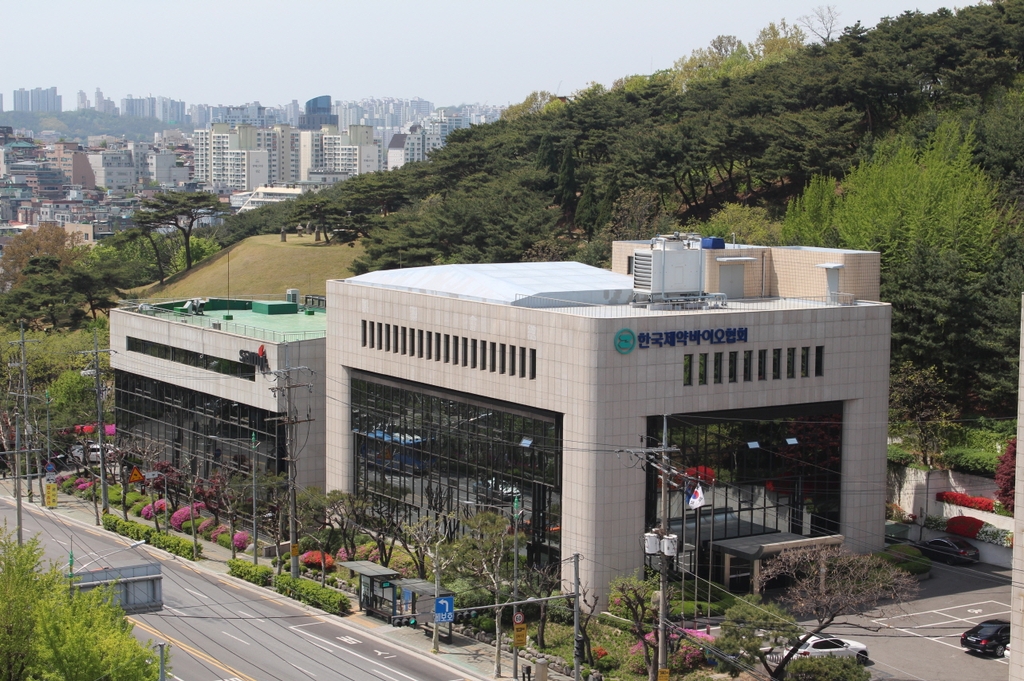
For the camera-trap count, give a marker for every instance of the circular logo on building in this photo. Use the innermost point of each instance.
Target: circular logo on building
(625, 341)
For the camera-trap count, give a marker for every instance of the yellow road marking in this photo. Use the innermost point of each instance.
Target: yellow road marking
(190, 650)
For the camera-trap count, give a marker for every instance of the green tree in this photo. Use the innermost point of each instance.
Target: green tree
(936, 301)
(755, 631)
(919, 411)
(483, 555)
(47, 631)
(181, 211)
(202, 248)
(827, 669)
(750, 225)
(72, 397)
(85, 636)
(45, 299)
(635, 595)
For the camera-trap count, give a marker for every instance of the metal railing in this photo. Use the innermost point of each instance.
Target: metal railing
(675, 307)
(227, 326)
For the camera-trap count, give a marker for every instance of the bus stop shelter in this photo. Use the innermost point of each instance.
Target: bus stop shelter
(377, 588)
(418, 599)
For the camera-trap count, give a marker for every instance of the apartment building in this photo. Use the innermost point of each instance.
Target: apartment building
(73, 162)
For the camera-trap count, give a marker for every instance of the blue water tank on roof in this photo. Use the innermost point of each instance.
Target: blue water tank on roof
(712, 243)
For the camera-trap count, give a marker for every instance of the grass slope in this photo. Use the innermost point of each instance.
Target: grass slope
(261, 265)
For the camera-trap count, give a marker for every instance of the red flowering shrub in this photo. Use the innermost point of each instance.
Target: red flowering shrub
(964, 526)
(1006, 475)
(600, 652)
(967, 501)
(702, 473)
(311, 559)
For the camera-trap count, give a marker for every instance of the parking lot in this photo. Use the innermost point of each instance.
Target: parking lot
(921, 641)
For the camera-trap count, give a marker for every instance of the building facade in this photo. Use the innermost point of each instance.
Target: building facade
(197, 379)
(479, 383)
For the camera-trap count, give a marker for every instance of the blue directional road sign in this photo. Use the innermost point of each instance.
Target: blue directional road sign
(444, 609)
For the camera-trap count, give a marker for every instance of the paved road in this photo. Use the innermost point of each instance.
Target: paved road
(219, 628)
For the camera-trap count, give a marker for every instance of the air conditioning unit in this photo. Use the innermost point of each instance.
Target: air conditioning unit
(292, 295)
(673, 267)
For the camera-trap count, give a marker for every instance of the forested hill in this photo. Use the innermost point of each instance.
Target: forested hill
(907, 137)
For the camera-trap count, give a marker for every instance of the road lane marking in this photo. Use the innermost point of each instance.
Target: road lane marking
(190, 650)
(303, 670)
(299, 628)
(235, 637)
(245, 614)
(390, 678)
(197, 593)
(176, 611)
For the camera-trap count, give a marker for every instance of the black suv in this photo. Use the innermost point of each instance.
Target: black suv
(991, 637)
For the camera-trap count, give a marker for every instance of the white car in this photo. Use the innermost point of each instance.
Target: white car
(817, 646)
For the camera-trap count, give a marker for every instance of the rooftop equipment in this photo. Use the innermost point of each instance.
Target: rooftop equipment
(672, 269)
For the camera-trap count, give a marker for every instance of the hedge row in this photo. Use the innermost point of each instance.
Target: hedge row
(973, 461)
(966, 500)
(906, 558)
(313, 594)
(260, 575)
(179, 546)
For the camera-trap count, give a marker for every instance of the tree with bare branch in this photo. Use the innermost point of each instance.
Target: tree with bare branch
(829, 583)
(822, 22)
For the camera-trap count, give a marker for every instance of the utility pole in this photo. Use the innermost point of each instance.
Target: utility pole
(663, 598)
(516, 503)
(95, 352)
(662, 456)
(290, 421)
(576, 639)
(23, 365)
(17, 471)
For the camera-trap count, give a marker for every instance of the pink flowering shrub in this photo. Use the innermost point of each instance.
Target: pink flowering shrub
(186, 513)
(221, 529)
(342, 555)
(205, 526)
(240, 540)
(160, 505)
(83, 484)
(147, 511)
(690, 654)
(61, 479)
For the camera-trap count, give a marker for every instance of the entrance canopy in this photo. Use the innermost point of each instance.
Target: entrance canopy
(761, 546)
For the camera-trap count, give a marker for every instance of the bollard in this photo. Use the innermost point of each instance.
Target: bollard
(542, 669)
(526, 672)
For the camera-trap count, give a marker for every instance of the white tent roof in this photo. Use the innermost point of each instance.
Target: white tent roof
(524, 284)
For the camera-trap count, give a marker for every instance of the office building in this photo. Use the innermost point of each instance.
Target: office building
(767, 367)
(318, 114)
(200, 379)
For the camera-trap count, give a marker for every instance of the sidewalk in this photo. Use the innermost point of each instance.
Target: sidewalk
(472, 657)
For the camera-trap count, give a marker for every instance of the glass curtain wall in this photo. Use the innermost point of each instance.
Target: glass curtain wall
(426, 451)
(195, 431)
(763, 470)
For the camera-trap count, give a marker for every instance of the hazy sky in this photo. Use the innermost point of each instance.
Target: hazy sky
(446, 51)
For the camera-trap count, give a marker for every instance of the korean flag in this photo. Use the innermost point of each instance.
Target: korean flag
(696, 499)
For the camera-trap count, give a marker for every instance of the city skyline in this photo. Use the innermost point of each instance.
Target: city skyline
(473, 53)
